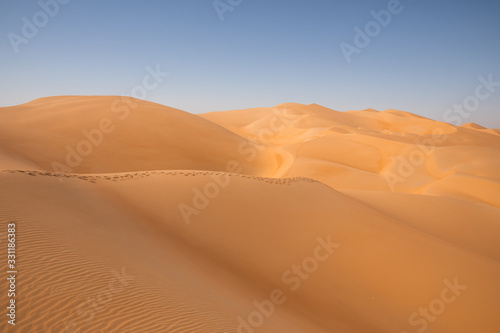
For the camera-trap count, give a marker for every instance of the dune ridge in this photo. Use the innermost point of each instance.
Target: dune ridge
(93, 178)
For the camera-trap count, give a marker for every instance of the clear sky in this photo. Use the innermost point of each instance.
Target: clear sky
(427, 58)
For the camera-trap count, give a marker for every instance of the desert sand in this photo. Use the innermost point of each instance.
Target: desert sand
(136, 217)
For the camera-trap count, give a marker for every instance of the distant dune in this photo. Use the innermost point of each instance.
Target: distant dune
(136, 217)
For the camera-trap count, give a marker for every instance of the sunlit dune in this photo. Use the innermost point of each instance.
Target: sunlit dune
(136, 217)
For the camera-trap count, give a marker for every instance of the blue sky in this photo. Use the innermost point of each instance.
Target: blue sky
(265, 52)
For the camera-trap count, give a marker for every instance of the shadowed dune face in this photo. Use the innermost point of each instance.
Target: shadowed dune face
(136, 217)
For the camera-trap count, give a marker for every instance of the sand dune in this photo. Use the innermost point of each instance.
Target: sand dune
(114, 134)
(364, 150)
(295, 218)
